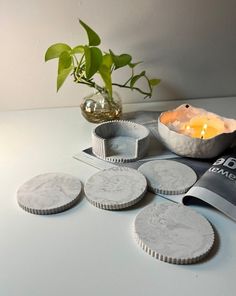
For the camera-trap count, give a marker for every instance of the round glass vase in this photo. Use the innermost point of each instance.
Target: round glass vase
(98, 107)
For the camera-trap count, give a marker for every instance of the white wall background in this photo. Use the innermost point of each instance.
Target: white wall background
(190, 44)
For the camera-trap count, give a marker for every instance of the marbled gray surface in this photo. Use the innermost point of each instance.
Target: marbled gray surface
(49, 193)
(121, 147)
(115, 188)
(173, 233)
(168, 176)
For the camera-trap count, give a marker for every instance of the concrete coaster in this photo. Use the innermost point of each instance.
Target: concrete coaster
(49, 193)
(115, 188)
(168, 176)
(173, 233)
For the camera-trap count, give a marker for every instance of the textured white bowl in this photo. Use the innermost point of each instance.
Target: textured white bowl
(187, 146)
(120, 141)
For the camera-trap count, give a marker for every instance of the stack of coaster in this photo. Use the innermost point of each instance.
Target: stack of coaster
(168, 176)
(115, 188)
(49, 193)
(173, 233)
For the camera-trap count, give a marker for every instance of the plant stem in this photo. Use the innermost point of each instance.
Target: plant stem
(91, 84)
(74, 56)
(150, 87)
(128, 81)
(148, 94)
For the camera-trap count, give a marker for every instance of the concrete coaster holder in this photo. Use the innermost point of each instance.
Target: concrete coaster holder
(120, 141)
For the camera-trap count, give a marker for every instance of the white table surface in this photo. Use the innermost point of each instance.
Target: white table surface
(87, 251)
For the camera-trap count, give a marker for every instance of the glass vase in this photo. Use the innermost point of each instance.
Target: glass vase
(98, 107)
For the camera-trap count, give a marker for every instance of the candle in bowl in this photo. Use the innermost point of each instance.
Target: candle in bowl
(203, 127)
(195, 132)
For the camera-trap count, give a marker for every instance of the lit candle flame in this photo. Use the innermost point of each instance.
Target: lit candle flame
(205, 126)
(202, 134)
(203, 131)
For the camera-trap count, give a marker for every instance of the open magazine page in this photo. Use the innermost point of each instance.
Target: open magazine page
(218, 185)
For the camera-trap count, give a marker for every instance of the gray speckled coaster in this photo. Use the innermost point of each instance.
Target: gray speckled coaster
(173, 233)
(115, 188)
(168, 176)
(49, 193)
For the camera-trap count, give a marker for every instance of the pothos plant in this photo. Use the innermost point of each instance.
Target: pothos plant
(86, 62)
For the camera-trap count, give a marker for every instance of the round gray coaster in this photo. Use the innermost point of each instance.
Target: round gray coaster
(168, 176)
(115, 188)
(49, 193)
(173, 233)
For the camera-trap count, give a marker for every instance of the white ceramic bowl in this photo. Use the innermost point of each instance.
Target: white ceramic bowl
(188, 146)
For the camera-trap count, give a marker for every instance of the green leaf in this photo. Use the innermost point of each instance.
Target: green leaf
(78, 49)
(55, 50)
(132, 65)
(93, 58)
(107, 60)
(154, 82)
(61, 77)
(105, 73)
(136, 78)
(87, 54)
(120, 60)
(93, 37)
(65, 61)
